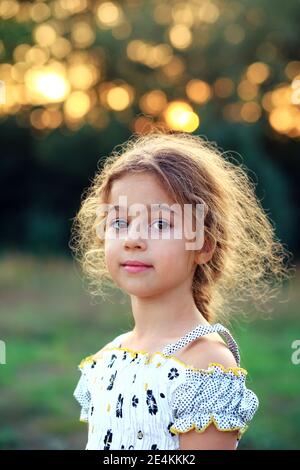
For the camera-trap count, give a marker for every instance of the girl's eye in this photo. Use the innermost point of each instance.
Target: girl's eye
(161, 221)
(116, 221)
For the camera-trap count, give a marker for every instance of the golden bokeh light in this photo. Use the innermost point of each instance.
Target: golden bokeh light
(142, 125)
(109, 14)
(223, 87)
(180, 36)
(45, 35)
(283, 119)
(77, 61)
(250, 112)
(47, 84)
(182, 12)
(258, 72)
(23, 13)
(82, 76)
(8, 9)
(162, 14)
(295, 86)
(281, 96)
(18, 71)
(179, 115)
(122, 30)
(64, 8)
(46, 118)
(267, 101)
(118, 98)
(36, 118)
(61, 48)
(234, 33)
(232, 112)
(283, 108)
(40, 12)
(152, 55)
(5, 72)
(20, 51)
(136, 50)
(37, 55)
(198, 91)
(82, 34)
(174, 69)
(153, 102)
(292, 69)
(208, 12)
(98, 118)
(159, 55)
(246, 90)
(77, 105)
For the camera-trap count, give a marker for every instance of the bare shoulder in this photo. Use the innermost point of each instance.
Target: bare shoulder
(200, 354)
(109, 345)
(206, 350)
(98, 353)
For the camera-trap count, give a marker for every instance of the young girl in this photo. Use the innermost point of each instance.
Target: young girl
(174, 381)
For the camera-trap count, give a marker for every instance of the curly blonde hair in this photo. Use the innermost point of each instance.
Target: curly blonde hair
(248, 261)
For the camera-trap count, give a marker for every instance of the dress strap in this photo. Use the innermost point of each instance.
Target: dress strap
(202, 330)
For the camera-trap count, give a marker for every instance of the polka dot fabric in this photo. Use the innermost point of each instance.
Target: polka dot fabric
(202, 330)
(220, 397)
(134, 400)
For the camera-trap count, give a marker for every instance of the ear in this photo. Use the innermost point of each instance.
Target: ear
(205, 254)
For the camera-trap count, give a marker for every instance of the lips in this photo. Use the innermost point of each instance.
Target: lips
(136, 263)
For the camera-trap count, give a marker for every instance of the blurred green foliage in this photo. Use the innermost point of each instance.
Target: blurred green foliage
(43, 173)
(49, 324)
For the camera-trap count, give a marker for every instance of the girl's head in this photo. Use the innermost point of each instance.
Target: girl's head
(240, 258)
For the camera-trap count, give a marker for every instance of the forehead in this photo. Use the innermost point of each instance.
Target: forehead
(142, 188)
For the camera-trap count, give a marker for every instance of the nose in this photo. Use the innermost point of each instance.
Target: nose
(134, 237)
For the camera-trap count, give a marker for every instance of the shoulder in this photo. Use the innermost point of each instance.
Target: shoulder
(110, 344)
(93, 357)
(213, 399)
(207, 350)
(98, 353)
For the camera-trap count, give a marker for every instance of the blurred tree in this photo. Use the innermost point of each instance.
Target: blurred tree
(79, 77)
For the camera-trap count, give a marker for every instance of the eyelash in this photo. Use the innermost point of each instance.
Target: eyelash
(158, 220)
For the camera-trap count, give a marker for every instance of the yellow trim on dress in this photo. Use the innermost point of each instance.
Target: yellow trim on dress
(240, 430)
(86, 360)
(235, 370)
(83, 420)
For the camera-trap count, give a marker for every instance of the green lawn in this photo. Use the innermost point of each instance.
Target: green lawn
(49, 323)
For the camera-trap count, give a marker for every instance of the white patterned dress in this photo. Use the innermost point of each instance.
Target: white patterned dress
(134, 400)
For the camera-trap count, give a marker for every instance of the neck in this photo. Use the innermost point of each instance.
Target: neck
(167, 315)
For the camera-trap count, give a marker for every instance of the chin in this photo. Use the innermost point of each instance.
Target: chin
(142, 290)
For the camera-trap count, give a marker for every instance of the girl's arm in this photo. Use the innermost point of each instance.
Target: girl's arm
(201, 353)
(210, 439)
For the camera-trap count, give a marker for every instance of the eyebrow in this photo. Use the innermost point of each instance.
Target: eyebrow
(149, 206)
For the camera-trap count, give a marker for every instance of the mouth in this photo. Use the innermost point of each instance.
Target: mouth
(135, 267)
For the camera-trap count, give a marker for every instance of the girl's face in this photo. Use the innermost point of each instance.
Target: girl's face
(171, 263)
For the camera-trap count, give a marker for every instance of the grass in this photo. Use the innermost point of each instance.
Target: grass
(49, 323)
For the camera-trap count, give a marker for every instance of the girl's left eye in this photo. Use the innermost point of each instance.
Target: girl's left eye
(161, 221)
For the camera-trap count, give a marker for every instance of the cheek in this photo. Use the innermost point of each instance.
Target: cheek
(172, 257)
(111, 255)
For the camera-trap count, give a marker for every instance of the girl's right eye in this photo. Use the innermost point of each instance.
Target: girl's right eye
(115, 221)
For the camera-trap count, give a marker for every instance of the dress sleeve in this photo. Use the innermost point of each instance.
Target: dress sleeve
(214, 395)
(82, 394)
